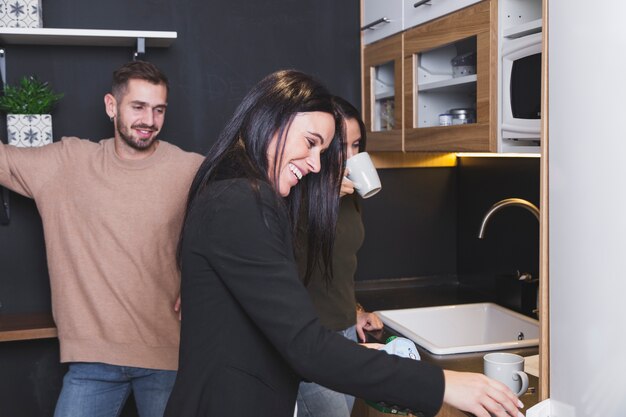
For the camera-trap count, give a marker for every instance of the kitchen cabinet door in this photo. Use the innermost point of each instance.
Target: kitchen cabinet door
(382, 94)
(381, 18)
(450, 64)
(417, 12)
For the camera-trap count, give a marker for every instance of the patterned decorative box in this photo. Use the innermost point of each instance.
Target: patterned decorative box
(20, 14)
(29, 130)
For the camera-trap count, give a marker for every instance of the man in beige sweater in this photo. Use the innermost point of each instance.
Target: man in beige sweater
(112, 212)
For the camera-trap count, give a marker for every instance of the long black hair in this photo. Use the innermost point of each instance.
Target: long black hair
(348, 112)
(268, 110)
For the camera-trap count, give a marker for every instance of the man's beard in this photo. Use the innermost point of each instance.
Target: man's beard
(135, 143)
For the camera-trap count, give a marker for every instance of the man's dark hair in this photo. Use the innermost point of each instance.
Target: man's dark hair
(139, 70)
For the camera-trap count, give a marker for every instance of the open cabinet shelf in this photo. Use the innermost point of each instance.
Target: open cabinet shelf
(527, 28)
(445, 84)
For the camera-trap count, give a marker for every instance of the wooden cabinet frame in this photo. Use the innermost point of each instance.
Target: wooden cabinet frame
(375, 54)
(480, 21)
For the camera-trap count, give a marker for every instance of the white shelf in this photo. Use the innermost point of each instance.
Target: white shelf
(520, 146)
(451, 82)
(383, 95)
(84, 37)
(527, 28)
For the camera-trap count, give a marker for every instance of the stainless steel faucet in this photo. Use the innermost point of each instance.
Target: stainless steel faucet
(505, 203)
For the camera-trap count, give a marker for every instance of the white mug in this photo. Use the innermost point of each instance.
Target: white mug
(362, 173)
(507, 368)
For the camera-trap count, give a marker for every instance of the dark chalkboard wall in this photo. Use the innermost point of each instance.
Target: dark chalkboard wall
(223, 48)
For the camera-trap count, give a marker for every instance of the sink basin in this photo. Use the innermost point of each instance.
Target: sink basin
(464, 328)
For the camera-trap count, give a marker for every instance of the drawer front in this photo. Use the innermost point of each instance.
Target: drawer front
(430, 10)
(377, 10)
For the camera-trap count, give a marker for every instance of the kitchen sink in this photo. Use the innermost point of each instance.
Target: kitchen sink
(463, 328)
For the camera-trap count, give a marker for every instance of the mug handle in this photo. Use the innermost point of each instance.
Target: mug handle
(524, 378)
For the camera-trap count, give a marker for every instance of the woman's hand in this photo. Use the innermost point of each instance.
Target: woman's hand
(366, 321)
(376, 346)
(480, 395)
(347, 186)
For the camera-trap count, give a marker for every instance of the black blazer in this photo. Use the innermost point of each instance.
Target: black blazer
(249, 330)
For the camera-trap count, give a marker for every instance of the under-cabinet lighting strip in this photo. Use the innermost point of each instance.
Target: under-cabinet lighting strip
(496, 155)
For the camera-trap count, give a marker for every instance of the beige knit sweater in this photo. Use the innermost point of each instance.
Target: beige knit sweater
(111, 228)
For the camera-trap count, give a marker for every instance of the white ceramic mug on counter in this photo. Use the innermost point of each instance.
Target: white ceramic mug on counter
(507, 368)
(362, 173)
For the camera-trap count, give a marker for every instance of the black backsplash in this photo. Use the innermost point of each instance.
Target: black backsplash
(511, 240)
(410, 225)
(425, 221)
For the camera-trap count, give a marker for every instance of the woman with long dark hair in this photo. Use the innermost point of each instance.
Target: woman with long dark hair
(249, 330)
(334, 299)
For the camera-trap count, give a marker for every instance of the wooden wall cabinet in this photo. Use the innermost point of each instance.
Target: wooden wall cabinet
(434, 86)
(426, 84)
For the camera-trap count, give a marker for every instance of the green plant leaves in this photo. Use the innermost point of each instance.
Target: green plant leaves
(31, 96)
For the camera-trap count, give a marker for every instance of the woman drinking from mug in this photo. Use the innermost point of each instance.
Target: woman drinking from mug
(334, 299)
(249, 330)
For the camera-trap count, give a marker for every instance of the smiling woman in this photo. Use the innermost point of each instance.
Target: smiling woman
(249, 331)
(309, 135)
(236, 252)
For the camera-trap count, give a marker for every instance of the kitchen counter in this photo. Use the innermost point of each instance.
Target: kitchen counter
(410, 293)
(469, 362)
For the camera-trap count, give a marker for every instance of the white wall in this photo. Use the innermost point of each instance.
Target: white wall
(587, 197)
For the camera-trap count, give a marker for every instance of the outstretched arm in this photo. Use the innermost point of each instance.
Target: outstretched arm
(27, 170)
(480, 395)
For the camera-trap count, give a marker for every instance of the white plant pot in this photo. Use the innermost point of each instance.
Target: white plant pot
(29, 130)
(20, 14)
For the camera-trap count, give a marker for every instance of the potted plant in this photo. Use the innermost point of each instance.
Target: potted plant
(28, 107)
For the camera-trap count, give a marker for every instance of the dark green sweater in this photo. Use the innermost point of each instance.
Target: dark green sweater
(334, 302)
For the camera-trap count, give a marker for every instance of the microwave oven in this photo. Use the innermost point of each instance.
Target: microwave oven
(521, 89)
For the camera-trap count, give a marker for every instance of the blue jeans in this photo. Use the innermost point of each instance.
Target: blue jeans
(100, 390)
(317, 401)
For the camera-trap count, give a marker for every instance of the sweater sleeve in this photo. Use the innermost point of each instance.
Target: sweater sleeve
(248, 244)
(26, 170)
